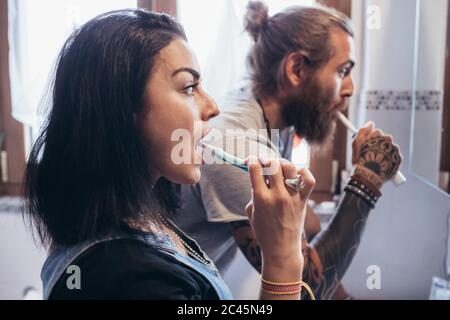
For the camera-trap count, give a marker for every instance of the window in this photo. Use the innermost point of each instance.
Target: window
(37, 31)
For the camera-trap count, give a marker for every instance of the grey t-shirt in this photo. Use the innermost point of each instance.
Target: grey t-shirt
(223, 191)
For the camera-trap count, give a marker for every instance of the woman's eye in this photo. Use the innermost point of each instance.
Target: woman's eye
(190, 89)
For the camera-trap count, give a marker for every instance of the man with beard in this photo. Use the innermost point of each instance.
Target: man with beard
(300, 68)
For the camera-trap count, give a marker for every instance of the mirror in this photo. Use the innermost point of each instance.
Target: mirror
(430, 123)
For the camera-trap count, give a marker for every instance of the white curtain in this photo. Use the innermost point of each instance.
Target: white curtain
(225, 65)
(215, 31)
(37, 31)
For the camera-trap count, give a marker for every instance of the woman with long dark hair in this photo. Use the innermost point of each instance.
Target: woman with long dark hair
(101, 180)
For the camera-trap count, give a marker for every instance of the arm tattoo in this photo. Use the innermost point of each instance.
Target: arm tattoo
(328, 256)
(330, 253)
(336, 245)
(246, 241)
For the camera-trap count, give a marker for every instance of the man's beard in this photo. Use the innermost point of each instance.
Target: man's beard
(307, 112)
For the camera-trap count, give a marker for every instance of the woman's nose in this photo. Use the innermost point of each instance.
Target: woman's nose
(209, 108)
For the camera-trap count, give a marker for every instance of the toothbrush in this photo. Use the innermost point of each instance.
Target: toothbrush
(399, 178)
(295, 183)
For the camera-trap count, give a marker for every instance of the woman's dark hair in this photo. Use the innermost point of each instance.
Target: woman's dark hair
(89, 170)
(304, 29)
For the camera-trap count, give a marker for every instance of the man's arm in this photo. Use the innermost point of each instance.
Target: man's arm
(332, 250)
(245, 239)
(312, 229)
(330, 253)
(327, 257)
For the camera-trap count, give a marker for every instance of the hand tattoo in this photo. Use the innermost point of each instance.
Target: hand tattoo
(379, 155)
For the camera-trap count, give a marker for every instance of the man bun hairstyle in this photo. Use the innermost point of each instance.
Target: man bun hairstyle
(256, 18)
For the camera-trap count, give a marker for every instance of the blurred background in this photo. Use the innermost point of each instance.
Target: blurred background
(402, 79)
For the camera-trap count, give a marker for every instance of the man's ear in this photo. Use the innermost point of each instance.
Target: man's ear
(294, 68)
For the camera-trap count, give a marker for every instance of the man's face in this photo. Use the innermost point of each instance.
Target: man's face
(312, 108)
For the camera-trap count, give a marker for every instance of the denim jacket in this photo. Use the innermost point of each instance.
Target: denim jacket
(59, 260)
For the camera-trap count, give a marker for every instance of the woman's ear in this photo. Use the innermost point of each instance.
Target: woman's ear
(294, 68)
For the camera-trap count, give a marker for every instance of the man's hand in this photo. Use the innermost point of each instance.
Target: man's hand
(375, 156)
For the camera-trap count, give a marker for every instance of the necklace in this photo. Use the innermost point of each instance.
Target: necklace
(193, 253)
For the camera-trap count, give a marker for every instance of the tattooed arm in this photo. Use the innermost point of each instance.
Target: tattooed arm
(245, 239)
(328, 256)
(330, 253)
(376, 159)
(312, 229)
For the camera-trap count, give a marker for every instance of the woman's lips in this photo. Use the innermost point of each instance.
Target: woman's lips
(198, 144)
(198, 152)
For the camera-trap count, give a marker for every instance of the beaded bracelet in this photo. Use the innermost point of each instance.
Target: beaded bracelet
(364, 186)
(374, 190)
(361, 194)
(358, 184)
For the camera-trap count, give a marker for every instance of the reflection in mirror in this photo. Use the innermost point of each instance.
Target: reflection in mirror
(430, 138)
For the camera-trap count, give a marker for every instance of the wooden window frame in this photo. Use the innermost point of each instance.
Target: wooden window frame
(166, 6)
(14, 143)
(14, 140)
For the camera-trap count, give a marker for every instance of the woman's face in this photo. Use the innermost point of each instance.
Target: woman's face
(176, 115)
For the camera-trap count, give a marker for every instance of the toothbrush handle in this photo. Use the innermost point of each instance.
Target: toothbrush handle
(294, 183)
(398, 179)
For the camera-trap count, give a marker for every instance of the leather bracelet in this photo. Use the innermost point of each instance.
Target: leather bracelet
(358, 184)
(368, 177)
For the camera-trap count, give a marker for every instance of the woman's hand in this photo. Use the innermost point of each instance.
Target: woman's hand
(277, 216)
(375, 155)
